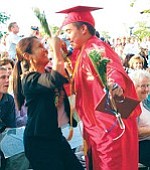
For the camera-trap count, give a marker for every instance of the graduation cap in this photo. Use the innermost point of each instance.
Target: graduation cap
(124, 105)
(79, 13)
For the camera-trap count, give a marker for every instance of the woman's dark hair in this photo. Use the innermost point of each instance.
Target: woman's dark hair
(126, 60)
(21, 67)
(91, 29)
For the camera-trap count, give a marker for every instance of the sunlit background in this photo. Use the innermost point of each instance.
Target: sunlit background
(116, 18)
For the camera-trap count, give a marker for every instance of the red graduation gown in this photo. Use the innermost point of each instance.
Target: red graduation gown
(100, 129)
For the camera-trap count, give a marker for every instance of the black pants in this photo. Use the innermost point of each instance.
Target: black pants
(144, 152)
(50, 154)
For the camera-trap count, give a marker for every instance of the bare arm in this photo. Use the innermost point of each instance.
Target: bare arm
(57, 46)
(144, 131)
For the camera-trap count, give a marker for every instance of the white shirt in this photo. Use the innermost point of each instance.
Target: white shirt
(131, 48)
(62, 116)
(11, 41)
(144, 120)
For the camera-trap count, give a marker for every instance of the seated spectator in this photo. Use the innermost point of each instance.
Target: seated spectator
(131, 47)
(136, 62)
(21, 116)
(8, 117)
(119, 47)
(3, 50)
(4, 54)
(7, 105)
(144, 54)
(141, 80)
(8, 64)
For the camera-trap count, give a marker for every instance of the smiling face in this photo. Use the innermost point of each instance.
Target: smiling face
(138, 64)
(143, 88)
(76, 35)
(4, 81)
(31, 51)
(37, 55)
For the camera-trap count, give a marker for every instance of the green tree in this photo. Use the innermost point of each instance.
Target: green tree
(141, 30)
(132, 3)
(3, 18)
(146, 11)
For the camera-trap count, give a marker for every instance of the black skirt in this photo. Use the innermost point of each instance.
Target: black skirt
(52, 153)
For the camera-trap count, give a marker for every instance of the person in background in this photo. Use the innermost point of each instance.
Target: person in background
(136, 62)
(106, 144)
(145, 45)
(8, 64)
(131, 47)
(144, 53)
(45, 146)
(119, 47)
(141, 80)
(21, 116)
(3, 50)
(8, 117)
(7, 105)
(35, 31)
(12, 39)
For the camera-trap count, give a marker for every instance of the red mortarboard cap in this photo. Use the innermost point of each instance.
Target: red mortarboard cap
(79, 13)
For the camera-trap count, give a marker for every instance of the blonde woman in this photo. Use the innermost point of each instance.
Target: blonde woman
(136, 62)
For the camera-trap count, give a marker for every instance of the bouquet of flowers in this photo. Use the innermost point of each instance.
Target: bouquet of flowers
(100, 64)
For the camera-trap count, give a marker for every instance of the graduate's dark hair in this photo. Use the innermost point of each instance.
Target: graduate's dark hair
(91, 29)
(21, 67)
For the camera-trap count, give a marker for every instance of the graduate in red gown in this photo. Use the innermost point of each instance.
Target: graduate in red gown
(109, 147)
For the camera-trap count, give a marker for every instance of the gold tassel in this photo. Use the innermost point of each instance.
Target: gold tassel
(72, 74)
(71, 97)
(70, 133)
(71, 125)
(85, 147)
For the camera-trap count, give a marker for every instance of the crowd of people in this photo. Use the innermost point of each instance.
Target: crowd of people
(37, 84)
(126, 47)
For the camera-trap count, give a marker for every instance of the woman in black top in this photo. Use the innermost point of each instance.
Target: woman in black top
(45, 146)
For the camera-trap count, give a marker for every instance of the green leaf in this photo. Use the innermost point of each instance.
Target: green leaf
(42, 18)
(100, 65)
